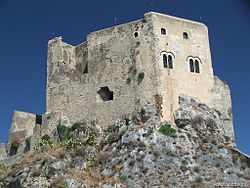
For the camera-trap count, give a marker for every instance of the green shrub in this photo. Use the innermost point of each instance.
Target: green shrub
(167, 130)
(123, 177)
(71, 144)
(184, 162)
(65, 133)
(141, 75)
(90, 137)
(44, 142)
(76, 126)
(45, 138)
(2, 168)
(51, 171)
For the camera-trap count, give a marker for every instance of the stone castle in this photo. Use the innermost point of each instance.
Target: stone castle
(141, 67)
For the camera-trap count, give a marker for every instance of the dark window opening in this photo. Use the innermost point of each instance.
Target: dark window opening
(185, 35)
(85, 69)
(105, 94)
(191, 65)
(163, 31)
(170, 62)
(27, 147)
(39, 119)
(197, 68)
(165, 61)
(136, 34)
(13, 150)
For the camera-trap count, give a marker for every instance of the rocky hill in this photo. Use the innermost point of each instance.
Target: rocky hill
(193, 152)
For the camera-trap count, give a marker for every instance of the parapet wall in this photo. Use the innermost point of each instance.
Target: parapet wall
(21, 131)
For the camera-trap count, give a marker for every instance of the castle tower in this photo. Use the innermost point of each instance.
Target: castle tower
(142, 66)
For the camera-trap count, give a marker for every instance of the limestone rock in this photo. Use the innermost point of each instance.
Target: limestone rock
(199, 154)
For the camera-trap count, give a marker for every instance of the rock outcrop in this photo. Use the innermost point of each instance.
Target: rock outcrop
(193, 152)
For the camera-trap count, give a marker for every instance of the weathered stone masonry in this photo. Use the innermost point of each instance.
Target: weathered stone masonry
(141, 66)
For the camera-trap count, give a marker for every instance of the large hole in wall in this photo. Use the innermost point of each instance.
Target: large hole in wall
(104, 94)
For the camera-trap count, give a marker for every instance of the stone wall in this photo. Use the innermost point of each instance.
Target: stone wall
(221, 101)
(21, 132)
(3, 154)
(23, 121)
(114, 58)
(179, 80)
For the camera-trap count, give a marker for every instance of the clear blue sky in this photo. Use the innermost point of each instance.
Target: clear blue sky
(27, 25)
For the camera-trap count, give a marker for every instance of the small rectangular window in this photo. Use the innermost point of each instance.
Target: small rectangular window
(163, 31)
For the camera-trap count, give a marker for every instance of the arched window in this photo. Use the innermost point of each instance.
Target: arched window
(170, 62)
(165, 61)
(194, 65)
(185, 35)
(197, 68)
(191, 65)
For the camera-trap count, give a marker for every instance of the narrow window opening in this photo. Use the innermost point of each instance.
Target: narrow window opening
(136, 34)
(165, 61)
(104, 94)
(39, 119)
(191, 65)
(27, 147)
(197, 68)
(185, 35)
(85, 71)
(163, 31)
(170, 62)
